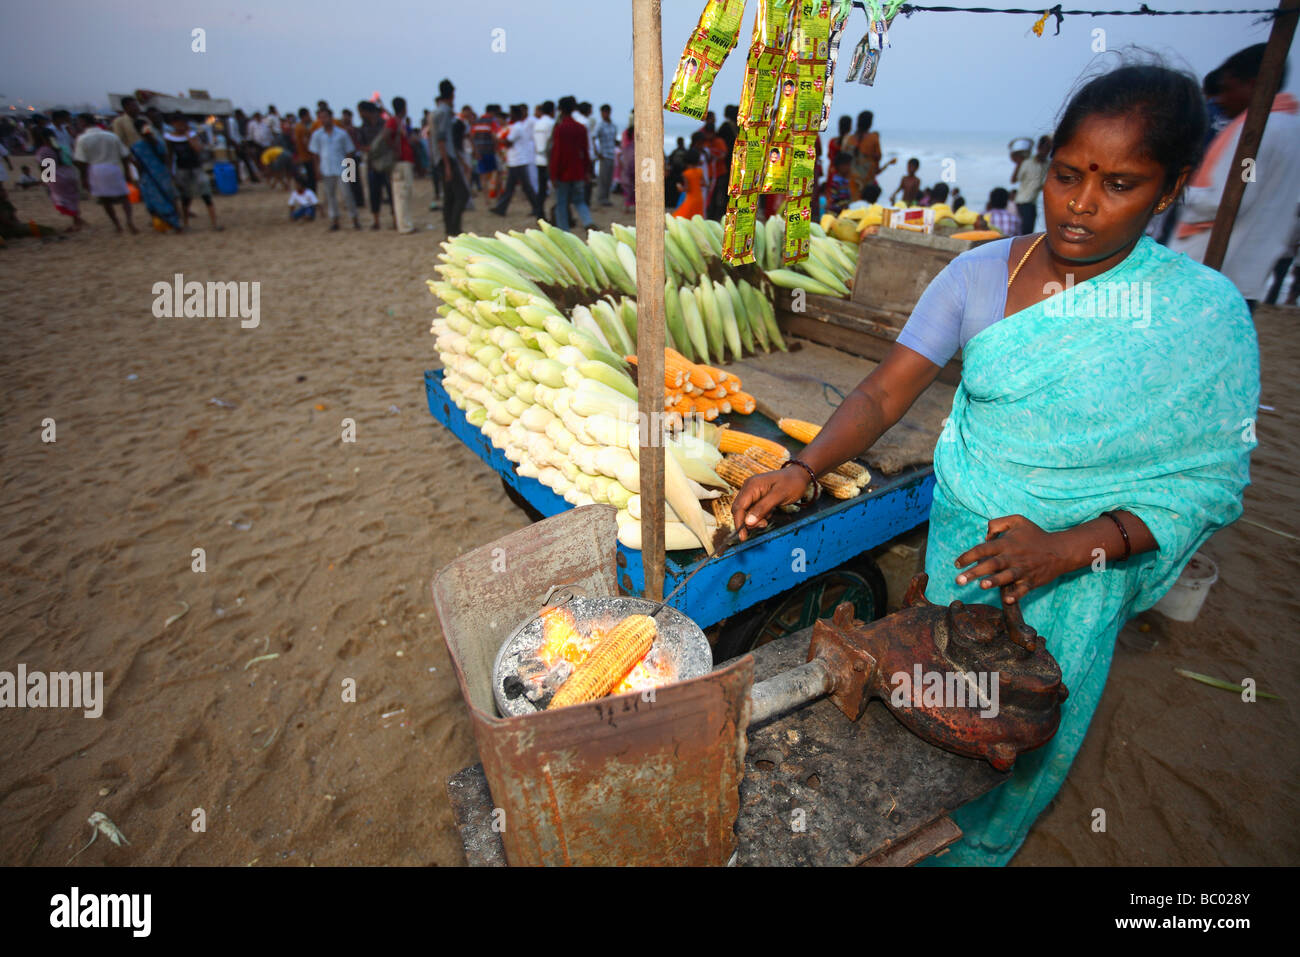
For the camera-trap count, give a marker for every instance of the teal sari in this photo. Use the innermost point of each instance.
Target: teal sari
(1136, 390)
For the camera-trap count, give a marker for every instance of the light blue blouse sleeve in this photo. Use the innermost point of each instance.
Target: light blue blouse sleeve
(934, 328)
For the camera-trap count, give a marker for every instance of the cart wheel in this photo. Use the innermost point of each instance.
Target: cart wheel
(858, 581)
(512, 493)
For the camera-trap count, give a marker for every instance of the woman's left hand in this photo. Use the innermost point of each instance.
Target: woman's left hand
(1016, 553)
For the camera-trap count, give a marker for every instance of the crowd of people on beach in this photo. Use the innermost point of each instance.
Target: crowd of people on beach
(569, 153)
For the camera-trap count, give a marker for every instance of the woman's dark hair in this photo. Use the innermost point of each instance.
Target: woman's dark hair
(846, 125)
(864, 121)
(692, 157)
(1168, 102)
(1244, 64)
(568, 104)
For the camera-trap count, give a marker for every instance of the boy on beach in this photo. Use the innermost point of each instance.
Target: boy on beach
(910, 184)
(302, 201)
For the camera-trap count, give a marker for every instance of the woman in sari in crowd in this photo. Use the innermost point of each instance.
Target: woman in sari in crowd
(64, 188)
(863, 145)
(1103, 425)
(156, 187)
(627, 164)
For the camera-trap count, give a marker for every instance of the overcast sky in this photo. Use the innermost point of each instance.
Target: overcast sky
(945, 71)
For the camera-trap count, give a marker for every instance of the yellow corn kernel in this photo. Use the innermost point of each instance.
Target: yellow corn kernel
(609, 662)
(798, 429)
(733, 440)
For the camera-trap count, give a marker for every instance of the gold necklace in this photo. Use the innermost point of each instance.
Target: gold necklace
(1025, 257)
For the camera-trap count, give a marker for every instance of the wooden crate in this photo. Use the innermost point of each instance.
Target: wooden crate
(895, 266)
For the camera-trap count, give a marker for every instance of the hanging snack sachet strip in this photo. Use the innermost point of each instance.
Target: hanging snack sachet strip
(838, 23)
(707, 48)
(767, 55)
(866, 56)
(798, 120)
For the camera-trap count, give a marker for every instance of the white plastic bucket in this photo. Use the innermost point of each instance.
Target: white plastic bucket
(1183, 602)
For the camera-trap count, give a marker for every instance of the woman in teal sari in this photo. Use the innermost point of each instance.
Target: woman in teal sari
(1103, 426)
(156, 188)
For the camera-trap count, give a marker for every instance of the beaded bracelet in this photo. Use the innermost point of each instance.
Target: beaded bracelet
(816, 485)
(1128, 547)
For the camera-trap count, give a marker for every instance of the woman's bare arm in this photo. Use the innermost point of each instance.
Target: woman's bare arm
(874, 405)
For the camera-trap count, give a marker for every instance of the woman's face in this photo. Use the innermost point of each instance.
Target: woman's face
(1100, 190)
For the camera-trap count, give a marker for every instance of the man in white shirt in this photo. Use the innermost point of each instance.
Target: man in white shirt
(102, 159)
(521, 152)
(1029, 176)
(1260, 231)
(331, 149)
(543, 124)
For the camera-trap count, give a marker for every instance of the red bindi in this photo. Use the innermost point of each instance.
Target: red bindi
(1093, 167)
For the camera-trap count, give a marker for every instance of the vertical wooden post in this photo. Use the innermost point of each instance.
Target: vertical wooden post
(1252, 132)
(648, 62)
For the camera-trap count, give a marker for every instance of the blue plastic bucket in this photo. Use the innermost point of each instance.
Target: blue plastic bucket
(226, 180)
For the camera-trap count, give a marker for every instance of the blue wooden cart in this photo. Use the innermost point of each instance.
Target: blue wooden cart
(808, 557)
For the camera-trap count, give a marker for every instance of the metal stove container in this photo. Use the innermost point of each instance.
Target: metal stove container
(621, 780)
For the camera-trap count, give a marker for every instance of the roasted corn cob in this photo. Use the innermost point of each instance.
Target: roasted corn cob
(798, 429)
(838, 485)
(722, 510)
(858, 473)
(765, 457)
(733, 440)
(609, 662)
(735, 469)
(848, 471)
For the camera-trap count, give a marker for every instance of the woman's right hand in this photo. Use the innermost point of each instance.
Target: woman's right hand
(762, 493)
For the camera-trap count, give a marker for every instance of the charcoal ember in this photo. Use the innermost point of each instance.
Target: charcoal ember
(544, 701)
(557, 676)
(531, 669)
(513, 687)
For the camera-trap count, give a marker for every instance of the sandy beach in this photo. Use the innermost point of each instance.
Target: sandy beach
(174, 434)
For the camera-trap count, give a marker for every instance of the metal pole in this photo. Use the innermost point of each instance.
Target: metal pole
(648, 63)
(1261, 103)
(789, 690)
